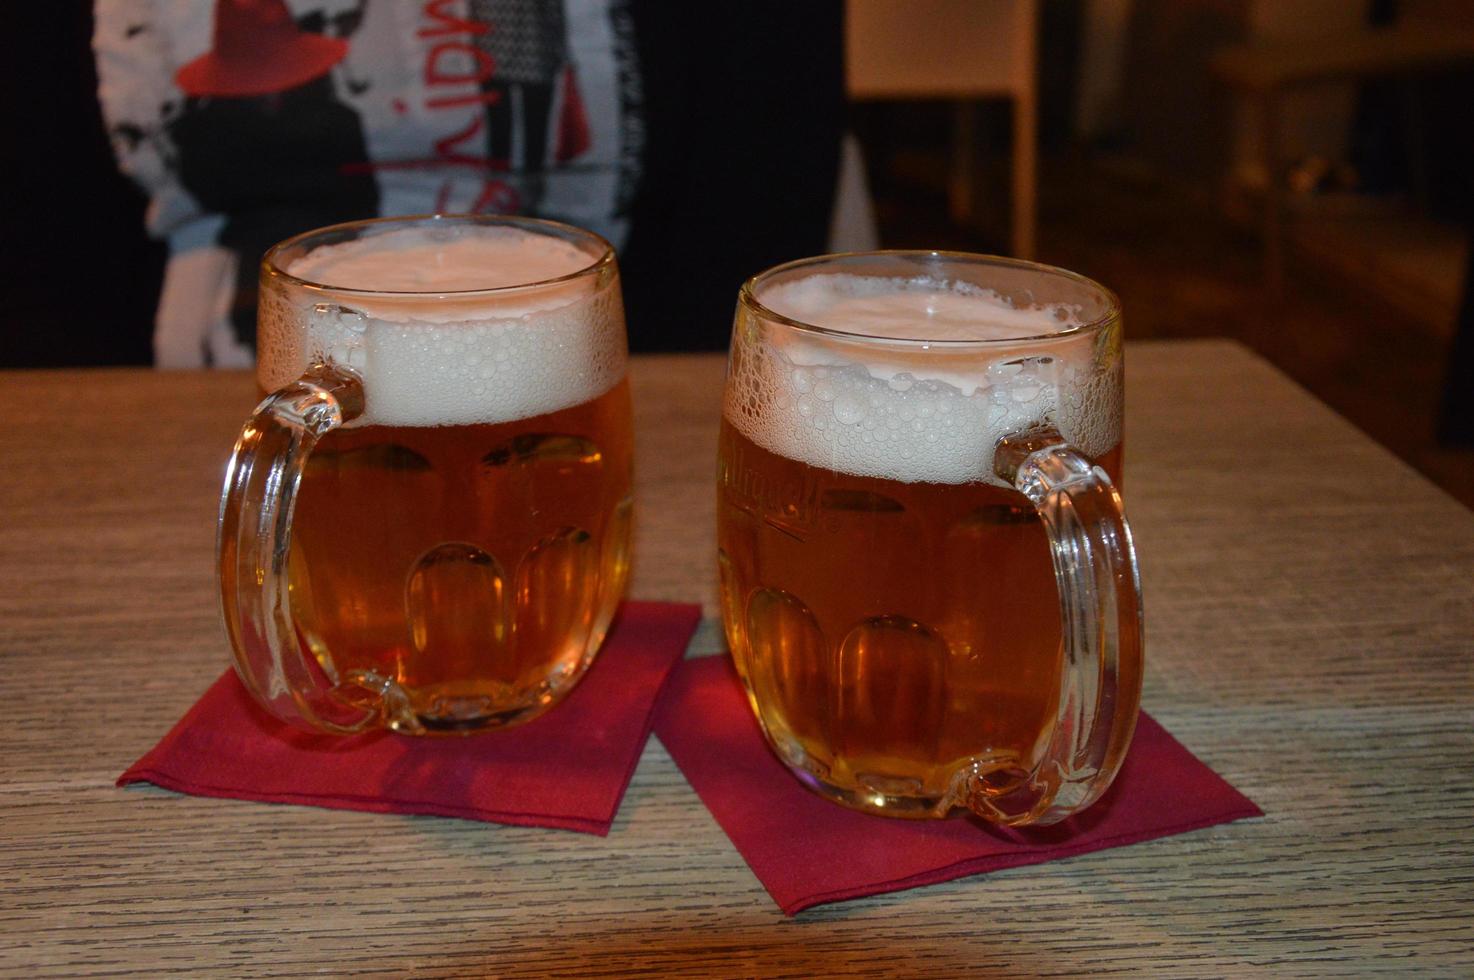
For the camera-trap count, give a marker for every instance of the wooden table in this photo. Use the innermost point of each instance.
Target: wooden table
(1310, 609)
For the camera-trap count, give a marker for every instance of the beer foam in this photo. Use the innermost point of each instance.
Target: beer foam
(432, 259)
(919, 404)
(447, 338)
(912, 309)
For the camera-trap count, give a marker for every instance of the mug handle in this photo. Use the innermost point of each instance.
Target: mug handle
(252, 547)
(1100, 612)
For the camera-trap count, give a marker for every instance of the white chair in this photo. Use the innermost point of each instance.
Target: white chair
(964, 51)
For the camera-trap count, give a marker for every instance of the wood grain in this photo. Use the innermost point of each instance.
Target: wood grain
(1310, 610)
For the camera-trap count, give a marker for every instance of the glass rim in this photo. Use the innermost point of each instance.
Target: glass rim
(556, 229)
(747, 295)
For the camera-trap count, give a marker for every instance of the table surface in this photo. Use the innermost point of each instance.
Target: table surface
(1310, 631)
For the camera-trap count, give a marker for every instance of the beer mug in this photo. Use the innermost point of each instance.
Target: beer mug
(425, 525)
(928, 585)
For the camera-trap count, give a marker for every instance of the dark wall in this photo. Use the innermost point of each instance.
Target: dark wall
(79, 279)
(1176, 114)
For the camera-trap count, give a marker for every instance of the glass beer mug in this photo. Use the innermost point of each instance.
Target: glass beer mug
(928, 585)
(426, 524)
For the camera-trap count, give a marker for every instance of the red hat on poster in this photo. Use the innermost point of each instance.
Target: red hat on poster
(258, 49)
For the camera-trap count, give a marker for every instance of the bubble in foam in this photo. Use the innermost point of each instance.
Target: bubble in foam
(849, 409)
(898, 412)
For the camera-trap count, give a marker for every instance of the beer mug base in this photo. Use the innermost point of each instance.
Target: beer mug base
(478, 713)
(871, 799)
(470, 717)
(458, 708)
(999, 789)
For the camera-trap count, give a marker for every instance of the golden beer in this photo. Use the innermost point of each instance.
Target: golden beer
(476, 567)
(426, 524)
(927, 586)
(891, 635)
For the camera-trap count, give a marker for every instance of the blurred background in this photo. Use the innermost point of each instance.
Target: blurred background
(1154, 164)
(1293, 174)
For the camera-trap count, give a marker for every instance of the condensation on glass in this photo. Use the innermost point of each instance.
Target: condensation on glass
(929, 587)
(425, 525)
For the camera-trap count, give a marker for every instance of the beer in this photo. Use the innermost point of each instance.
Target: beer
(463, 544)
(890, 603)
(477, 567)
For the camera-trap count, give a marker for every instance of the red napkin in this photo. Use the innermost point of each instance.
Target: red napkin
(568, 768)
(807, 851)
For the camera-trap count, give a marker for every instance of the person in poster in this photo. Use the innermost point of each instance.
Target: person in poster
(248, 121)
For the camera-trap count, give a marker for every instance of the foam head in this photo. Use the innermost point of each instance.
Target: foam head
(915, 379)
(421, 259)
(449, 323)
